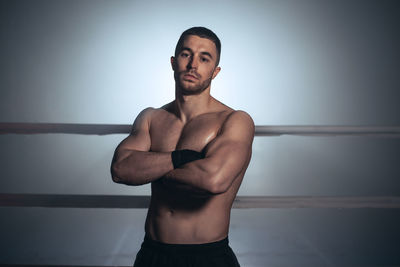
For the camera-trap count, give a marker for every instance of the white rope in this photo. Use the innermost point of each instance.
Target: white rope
(95, 201)
(261, 130)
(241, 202)
(324, 130)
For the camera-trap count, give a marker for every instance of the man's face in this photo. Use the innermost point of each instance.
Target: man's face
(195, 65)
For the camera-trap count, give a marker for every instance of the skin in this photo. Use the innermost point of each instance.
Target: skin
(190, 204)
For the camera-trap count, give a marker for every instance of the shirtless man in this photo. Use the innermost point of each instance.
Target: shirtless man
(194, 151)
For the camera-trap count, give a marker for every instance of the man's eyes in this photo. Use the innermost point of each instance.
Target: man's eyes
(203, 59)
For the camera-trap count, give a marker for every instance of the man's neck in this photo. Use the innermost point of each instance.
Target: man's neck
(190, 106)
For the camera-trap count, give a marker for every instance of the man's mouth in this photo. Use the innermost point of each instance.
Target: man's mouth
(190, 76)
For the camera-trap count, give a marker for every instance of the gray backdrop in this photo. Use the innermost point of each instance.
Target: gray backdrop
(284, 62)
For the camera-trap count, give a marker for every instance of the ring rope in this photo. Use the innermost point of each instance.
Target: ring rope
(104, 201)
(241, 202)
(261, 130)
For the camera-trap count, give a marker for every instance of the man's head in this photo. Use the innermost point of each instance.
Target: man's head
(196, 59)
(203, 33)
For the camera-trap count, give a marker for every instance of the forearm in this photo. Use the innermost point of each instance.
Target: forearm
(186, 189)
(214, 174)
(134, 167)
(193, 177)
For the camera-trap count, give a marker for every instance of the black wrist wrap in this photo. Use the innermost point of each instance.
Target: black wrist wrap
(181, 157)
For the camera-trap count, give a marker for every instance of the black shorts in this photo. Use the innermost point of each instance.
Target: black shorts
(157, 254)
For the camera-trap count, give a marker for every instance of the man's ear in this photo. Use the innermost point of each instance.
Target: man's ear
(173, 63)
(216, 71)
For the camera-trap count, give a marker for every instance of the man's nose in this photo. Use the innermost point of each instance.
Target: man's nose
(193, 63)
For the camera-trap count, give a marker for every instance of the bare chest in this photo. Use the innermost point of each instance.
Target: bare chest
(168, 134)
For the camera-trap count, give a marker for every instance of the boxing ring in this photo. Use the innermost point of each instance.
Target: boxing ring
(90, 203)
(241, 202)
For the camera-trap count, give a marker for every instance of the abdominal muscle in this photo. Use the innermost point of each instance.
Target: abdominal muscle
(183, 219)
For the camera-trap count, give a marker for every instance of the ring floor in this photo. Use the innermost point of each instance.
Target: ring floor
(259, 237)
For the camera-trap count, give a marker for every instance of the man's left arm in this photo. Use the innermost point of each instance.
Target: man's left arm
(225, 158)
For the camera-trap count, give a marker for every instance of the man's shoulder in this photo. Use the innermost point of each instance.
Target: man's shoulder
(145, 114)
(239, 119)
(150, 112)
(240, 115)
(232, 113)
(233, 118)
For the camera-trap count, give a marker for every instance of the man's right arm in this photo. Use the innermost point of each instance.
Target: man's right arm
(132, 163)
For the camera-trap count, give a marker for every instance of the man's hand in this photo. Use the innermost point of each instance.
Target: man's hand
(181, 157)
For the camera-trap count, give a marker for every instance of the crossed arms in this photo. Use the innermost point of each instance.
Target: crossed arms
(225, 157)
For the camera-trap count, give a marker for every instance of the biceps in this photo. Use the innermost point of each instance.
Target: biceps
(138, 140)
(229, 158)
(134, 142)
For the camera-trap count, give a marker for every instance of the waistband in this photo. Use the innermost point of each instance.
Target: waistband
(212, 247)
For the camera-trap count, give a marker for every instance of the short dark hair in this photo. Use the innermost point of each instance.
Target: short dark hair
(203, 33)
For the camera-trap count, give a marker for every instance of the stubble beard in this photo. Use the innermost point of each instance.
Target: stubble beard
(194, 89)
